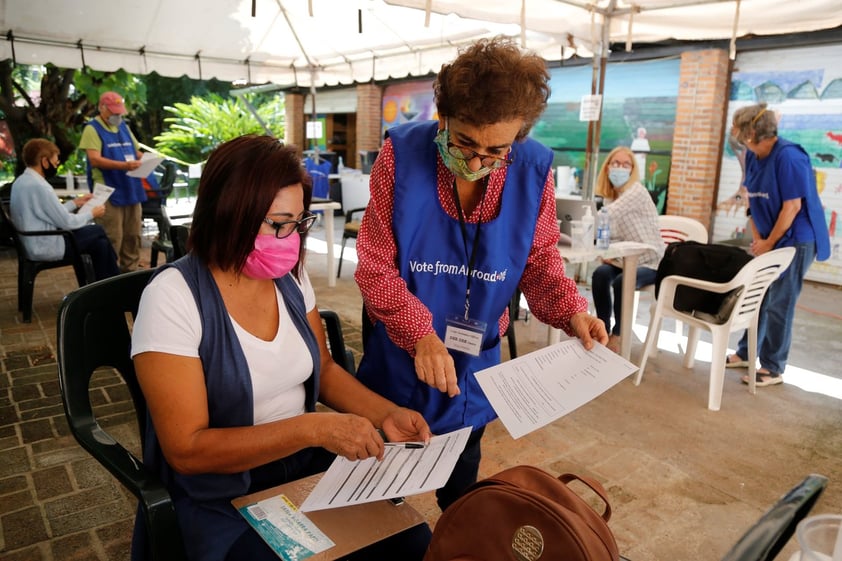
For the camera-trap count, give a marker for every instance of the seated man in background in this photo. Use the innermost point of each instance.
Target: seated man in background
(35, 206)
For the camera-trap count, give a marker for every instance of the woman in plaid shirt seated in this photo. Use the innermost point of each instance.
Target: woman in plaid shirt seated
(633, 218)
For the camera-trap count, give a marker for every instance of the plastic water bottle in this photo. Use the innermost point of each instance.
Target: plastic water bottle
(587, 228)
(603, 229)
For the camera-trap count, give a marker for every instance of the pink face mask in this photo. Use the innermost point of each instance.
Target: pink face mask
(272, 258)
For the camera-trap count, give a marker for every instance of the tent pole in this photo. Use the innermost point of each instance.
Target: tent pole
(595, 127)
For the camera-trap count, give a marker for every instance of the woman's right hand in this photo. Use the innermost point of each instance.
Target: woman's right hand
(350, 436)
(98, 211)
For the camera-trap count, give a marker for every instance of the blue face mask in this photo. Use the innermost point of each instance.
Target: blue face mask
(618, 177)
(458, 167)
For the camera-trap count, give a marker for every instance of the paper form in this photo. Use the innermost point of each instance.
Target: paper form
(100, 195)
(147, 163)
(537, 388)
(402, 472)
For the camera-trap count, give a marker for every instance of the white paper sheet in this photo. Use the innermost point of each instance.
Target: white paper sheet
(100, 195)
(537, 388)
(401, 473)
(147, 163)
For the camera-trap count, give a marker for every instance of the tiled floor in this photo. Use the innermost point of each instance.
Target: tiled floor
(684, 482)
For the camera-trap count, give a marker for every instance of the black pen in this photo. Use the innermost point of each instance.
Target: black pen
(411, 445)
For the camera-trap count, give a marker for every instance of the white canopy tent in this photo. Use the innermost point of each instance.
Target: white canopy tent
(286, 42)
(590, 27)
(578, 24)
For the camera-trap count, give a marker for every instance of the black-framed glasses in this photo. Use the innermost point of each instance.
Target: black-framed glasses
(287, 227)
(487, 160)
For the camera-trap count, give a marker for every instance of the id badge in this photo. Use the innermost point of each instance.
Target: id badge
(464, 335)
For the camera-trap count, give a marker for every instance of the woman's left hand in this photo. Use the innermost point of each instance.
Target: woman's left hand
(403, 424)
(589, 329)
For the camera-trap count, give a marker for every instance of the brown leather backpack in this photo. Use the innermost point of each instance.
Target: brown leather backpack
(524, 514)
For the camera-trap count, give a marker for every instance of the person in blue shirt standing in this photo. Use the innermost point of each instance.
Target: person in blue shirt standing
(785, 212)
(112, 151)
(462, 215)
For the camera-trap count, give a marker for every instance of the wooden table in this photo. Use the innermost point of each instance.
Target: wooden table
(349, 527)
(629, 252)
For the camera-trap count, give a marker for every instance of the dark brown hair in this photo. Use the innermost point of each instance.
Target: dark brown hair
(493, 81)
(36, 149)
(238, 185)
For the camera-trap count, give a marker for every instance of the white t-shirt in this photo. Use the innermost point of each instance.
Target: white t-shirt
(168, 321)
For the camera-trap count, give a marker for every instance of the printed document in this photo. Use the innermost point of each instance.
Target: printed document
(402, 472)
(537, 388)
(147, 163)
(101, 194)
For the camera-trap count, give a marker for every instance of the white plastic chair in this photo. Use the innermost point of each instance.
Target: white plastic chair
(673, 229)
(755, 278)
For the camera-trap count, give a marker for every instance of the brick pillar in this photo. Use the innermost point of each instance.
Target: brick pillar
(704, 85)
(369, 116)
(294, 115)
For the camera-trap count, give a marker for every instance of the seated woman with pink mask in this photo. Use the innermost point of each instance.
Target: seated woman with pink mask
(231, 356)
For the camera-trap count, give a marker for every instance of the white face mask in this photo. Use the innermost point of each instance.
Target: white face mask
(618, 176)
(115, 120)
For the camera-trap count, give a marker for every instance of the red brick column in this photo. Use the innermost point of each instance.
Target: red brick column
(294, 115)
(369, 116)
(704, 85)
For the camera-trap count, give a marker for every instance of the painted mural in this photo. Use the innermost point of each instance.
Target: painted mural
(638, 111)
(804, 88)
(408, 101)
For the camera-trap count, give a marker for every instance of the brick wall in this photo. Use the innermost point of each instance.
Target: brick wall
(294, 111)
(697, 145)
(369, 116)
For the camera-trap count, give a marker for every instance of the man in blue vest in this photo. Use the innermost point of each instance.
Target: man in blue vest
(112, 151)
(462, 214)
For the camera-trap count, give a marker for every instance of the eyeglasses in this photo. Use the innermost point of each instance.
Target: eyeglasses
(287, 227)
(624, 165)
(487, 160)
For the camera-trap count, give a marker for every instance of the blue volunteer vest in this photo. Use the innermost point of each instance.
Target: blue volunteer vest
(762, 180)
(209, 523)
(431, 259)
(116, 146)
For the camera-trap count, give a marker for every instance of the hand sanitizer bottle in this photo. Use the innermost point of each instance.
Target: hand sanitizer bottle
(603, 229)
(587, 228)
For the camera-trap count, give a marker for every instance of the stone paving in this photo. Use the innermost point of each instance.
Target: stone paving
(684, 482)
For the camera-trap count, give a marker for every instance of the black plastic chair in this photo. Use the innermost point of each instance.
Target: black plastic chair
(765, 539)
(92, 332)
(29, 268)
(178, 238)
(154, 208)
(351, 229)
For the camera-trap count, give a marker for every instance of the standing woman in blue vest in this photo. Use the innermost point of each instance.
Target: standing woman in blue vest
(231, 356)
(786, 211)
(462, 214)
(112, 150)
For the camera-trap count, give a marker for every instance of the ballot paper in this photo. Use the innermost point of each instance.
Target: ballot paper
(100, 195)
(147, 163)
(539, 387)
(402, 472)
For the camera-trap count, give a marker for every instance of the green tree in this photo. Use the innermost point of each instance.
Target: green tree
(196, 128)
(64, 100)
